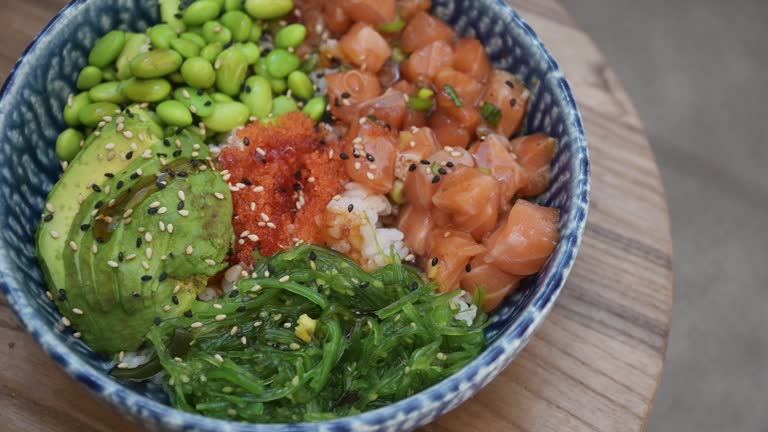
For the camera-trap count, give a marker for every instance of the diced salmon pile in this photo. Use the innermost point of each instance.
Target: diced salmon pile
(425, 117)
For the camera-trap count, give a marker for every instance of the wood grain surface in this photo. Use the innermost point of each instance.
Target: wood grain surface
(594, 365)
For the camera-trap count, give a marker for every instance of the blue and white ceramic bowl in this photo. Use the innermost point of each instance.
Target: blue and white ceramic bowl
(30, 120)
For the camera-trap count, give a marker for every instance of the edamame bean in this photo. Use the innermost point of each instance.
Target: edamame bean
(186, 48)
(221, 97)
(268, 9)
(211, 51)
(260, 68)
(300, 84)
(233, 5)
(94, 113)
(108, 92)
(68, 144)
(135, 44)
(152, 90)
(291, 36)
(232, 68)
(257, 96)
(156, 64)
(195, 38)
(283, 105)
(227, 116)
(168, 11)
(219, 2)
(279, 86)
(89, 77)
(251, 50)
(73, 107)
(239, 23)
(315, 108)
(256, 32)
(197, 101)
(108, 74)
(198, 73)
(213, 31)
(174, 113)
(106, 49)
(161, 35)
(201, 11)
(280, 63)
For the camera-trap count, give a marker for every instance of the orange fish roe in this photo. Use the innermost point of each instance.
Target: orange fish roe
(285, 176)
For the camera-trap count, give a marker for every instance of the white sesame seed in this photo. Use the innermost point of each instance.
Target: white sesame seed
(121, 356)
(218, 358)
(145, 265)
(181, 195)
(357, 166)
(258, 189)
(253, 206)
(285, 278)
(330, 154)
(243, 340)
(140, 172)
(128, 213)
(210, 262)
(190, 250)
(155, 204)
(162, 210)
(77, 311)
(170, 228)
(70, 100)
(54, 234)
(161, 225)
(197, 324)
(357, 140)
(441, 356)
(184, 213)
(369, 175)
(253, 237)
(148, 252)
(73, 246)
(166, 308)
(271, 225)
(186, 94)
(123, 366)
(130, 257)
(50, 207)
(217, 306)
(256, 288)
(294, 346)
(128, 134)
(49, 295)
(257, 324)
(110, 146)
(66, 321)
(77, 335)
(456, 154)
(176, 289)
(148, 236)
(219, 195)
(220, 317)
(112, 264)
(265, 217)
(233, 331)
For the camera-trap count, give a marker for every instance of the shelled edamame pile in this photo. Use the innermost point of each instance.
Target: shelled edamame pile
(215, 65)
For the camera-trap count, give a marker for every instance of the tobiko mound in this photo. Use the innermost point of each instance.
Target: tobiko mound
(293, 212)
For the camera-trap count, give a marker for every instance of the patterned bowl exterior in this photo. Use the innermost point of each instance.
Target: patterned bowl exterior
(30, 119)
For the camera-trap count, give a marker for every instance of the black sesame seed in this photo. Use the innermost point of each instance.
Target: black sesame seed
(175, 300)
(425, 162)
(247, 88)
(85, 227)
(129, 155)
(234, 293)
(161, 184)
(450, 164)
(436, 179)
(271, 269)
(246, 141)
(370, 157)
(138, 242)
(179, 130)
(109, 175)
(100, 240)
(297, 175)
(312, 256)
(356, 154)
(120, 184)
(365, 284)
(442, 171)
(146, 278)
(513, 102)
(435, 261)
(167, 142)
(468, 268)
(157, 321)
(48, 218)
(178, 15)
(344, 156)
(414, 285)
(152, 211)
(247, 182)
(510, 84)
(98, 204)
(346, 95)
(188, 314)
(136, 294)
(350, 208)
(120, 256)
(296, 187)
(163, 276)
(165, 155)
(181, 174)
(241, 308)
(177, 153)
(412, 167)
(134, 176)
(336, 102)
(208, 103)
(62, 295)
(180, 205)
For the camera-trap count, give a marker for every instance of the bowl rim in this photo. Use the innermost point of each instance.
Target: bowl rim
(138, 406)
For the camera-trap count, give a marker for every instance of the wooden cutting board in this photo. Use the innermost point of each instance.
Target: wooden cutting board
(595, 364)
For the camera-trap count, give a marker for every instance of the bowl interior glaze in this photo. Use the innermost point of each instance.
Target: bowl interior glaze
(30, 120)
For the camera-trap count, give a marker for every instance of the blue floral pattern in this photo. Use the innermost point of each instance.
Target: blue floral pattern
(30, 119)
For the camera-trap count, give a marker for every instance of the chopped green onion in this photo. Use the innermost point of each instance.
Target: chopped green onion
(419, 104)
(426, 93)
(393, 27)
(491, 114)
(451, 92)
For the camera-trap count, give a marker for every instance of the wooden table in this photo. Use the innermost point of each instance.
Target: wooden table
(596, 362)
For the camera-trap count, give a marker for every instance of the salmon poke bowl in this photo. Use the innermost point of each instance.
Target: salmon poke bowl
(288, 214)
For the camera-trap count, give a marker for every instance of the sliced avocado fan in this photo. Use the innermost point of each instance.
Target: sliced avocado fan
(144, 243)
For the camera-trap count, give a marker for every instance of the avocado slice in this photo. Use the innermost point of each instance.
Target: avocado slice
(108, 150)
(146, 241)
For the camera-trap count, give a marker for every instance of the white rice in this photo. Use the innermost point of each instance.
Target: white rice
(359, 232)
